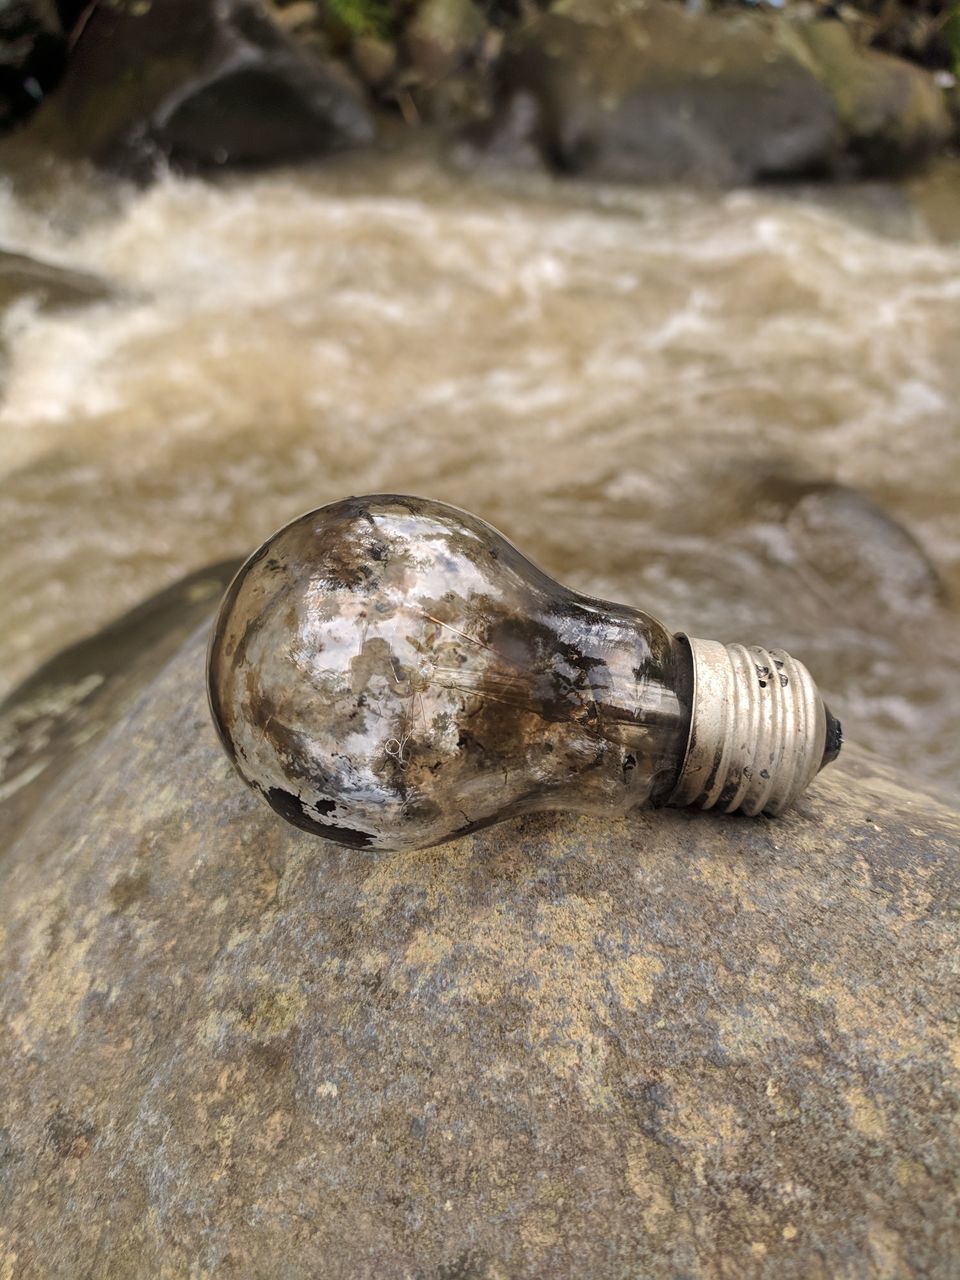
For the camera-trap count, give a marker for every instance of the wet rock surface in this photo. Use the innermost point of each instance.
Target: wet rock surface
(672, 1044)
(629, 90)
(71, 701)
(660, 94)
(52, 285)
(200, 85)
(851, 544)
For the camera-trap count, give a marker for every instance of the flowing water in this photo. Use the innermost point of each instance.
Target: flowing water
(700, 403)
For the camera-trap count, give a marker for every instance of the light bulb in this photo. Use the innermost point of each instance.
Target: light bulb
(390, 672)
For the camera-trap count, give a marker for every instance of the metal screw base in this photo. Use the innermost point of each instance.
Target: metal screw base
(758, 730)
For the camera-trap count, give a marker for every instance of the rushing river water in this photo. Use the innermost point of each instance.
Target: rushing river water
(655, 394)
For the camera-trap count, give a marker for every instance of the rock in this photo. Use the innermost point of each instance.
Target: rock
(199, 82)
(656, 93)
(442, 35)
(374, 59)
(662, 94)
(72, 699)
(677, 1044)
(892, 113)
(852, 556)
(32, 56)
(861, 555)
(53, 286)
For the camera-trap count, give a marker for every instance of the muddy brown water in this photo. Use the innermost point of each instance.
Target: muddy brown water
(739, 411)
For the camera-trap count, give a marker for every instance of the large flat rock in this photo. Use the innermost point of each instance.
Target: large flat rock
(678, 1044)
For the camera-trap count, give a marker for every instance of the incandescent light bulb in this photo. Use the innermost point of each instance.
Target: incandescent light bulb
(390, 672)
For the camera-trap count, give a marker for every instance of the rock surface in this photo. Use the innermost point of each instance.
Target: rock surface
(200, 84)
(659, 94)
(654, 93)
(71, 701)
(52, 285)
(892, 114)
(670, 1045)
(634, 90)
(854, 547)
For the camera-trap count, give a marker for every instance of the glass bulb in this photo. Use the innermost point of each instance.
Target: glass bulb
(390, 672)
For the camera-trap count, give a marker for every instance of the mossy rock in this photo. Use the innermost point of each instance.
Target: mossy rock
(892, 113)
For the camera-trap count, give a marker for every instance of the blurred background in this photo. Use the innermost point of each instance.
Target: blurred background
(669, 293)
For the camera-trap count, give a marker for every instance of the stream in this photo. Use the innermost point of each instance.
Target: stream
(736, 410)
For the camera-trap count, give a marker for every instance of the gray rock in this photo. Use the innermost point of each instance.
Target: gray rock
(656, 93)
(860, 553)
(669, 1045)
(851, 554)
(201, 83)
(71, 701)
(52, 285)
(661, 94)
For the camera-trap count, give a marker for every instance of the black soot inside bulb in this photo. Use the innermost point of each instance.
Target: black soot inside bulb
(390, 672)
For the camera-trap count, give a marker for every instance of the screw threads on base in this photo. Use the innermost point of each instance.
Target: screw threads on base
(758, 730)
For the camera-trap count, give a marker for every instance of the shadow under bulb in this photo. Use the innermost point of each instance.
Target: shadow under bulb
(390, 672)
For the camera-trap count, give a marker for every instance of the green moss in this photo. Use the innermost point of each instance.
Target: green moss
(362, 17)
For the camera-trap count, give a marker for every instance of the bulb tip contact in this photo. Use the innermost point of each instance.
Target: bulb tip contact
(759, 730)
(834, 738)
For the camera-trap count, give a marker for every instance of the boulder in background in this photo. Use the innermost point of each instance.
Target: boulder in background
(199, 83)
(655, 93)
(892, 113)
